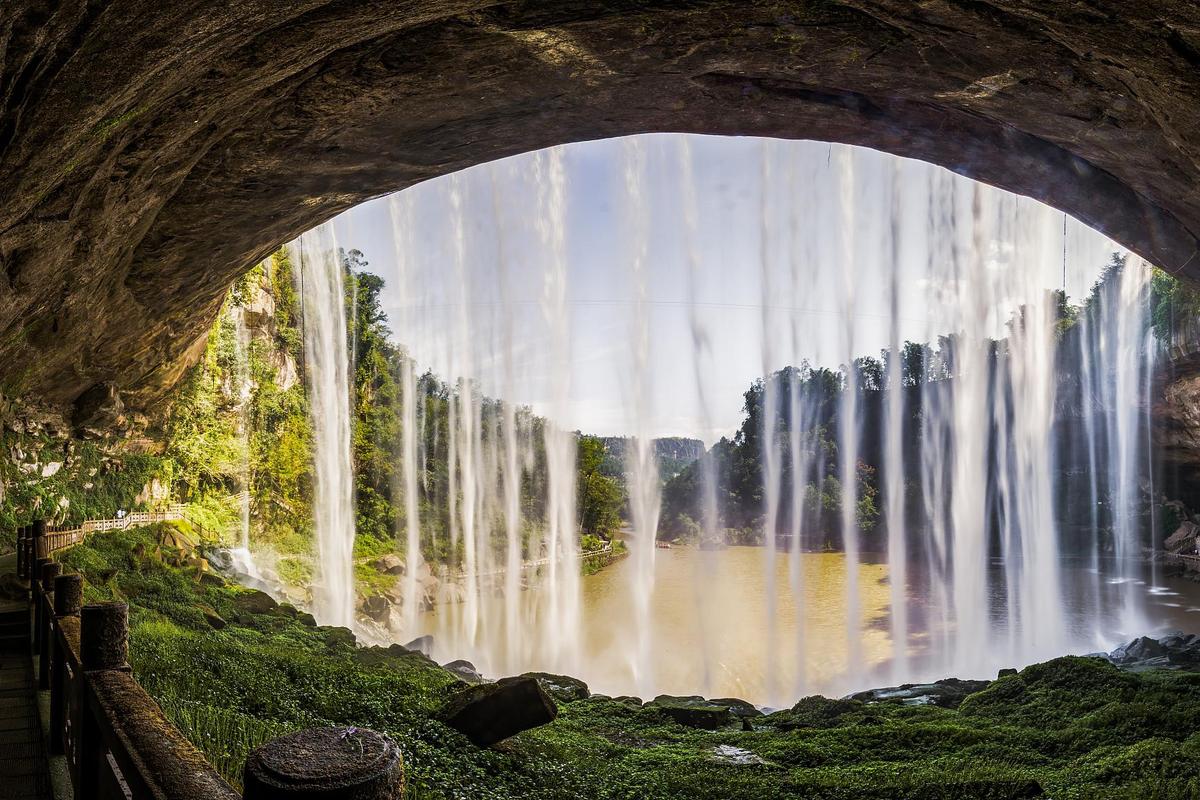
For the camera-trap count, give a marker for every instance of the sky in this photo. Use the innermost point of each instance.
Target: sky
(639, 285)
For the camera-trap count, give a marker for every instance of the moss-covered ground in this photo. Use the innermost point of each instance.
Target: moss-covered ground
(1069, 729)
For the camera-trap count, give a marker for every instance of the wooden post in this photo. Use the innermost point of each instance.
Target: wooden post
(103, 645)
(39, 605)
(21, 552)
(49, 572)
(329, 763)
(68, 597)
(39, 541)
(104, 636)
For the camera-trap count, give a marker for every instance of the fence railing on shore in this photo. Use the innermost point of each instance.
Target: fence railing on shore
(118, 743)
(1189, 560)
(539, 562)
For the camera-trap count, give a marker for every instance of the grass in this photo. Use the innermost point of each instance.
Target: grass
(1069, 729)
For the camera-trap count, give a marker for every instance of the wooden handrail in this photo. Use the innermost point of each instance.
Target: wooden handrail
(60, 538)
(118, 743)
(540, 562)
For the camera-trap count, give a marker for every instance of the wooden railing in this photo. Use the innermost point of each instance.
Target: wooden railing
(1187, 559)
(539, 562)
(119, 745)
(59, 538)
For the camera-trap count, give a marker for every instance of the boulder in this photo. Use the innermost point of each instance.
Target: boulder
(337, 636)
(255, 601)
(422, 644)
(562, 688)
(693, 711)
(391, 564)
(946, 693)
(1140, 649)
(211, 579)
(1176, 650)
(376, 607)
(738, 707)
(214, 620)
(465, 670)
(1183, 540)
(491, 712)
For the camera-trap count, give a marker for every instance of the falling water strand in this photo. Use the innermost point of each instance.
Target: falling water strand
(321, 288)
(893, 466)
(641, 467)
(848, 421)
(245, 392)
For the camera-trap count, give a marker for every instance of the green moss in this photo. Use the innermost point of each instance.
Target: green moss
(1071, 728)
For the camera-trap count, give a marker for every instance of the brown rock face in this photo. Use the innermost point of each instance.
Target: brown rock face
(150, 152)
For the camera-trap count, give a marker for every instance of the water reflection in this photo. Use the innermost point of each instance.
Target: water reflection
(711, 634)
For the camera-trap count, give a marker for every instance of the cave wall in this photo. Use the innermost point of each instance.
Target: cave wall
(151, 152)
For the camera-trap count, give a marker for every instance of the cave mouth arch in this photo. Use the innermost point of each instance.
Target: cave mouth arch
(149, 158)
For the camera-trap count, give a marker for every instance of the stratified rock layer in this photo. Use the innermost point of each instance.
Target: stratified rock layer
(150, 152)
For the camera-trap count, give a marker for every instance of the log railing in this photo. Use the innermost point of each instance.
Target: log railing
(119, 745)
(59, 538)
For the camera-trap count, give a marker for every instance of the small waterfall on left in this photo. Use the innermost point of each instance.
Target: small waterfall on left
(321, 288)
(245, 392)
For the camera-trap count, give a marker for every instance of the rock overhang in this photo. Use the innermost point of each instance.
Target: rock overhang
(150, 153)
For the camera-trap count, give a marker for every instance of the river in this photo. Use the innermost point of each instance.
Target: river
(715, 633)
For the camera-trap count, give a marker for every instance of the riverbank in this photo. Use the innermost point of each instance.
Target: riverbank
(232, 668)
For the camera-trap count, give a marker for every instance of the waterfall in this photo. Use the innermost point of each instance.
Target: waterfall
(410, 435)
(245, 393)
(641, 465)
(921, 399)
(319, 278)
(1117, 350)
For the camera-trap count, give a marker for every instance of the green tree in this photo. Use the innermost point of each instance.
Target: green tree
(599, 495)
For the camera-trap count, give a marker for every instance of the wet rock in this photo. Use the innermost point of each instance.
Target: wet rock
(1183, 540)
(562, 688)
(337, 636)
(390, 564)
(738, 707)
(729, 754)
(422, 644)
(946, 693)
(255, 602)
(491, 712)
(214, 620)
(693, 711)
(628, 700)
(1176, 650)
(1139, 649)
(376, 607)
(465, 670)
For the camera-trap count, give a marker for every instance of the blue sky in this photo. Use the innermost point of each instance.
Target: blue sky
(735, 248)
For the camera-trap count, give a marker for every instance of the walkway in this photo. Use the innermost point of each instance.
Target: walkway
(24, 774)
